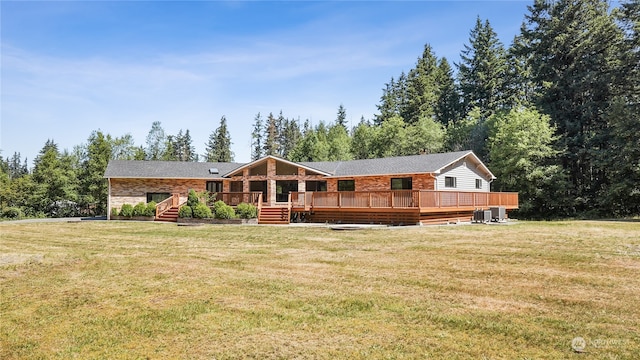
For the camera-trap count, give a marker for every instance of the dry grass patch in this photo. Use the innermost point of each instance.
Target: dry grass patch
(148, 290)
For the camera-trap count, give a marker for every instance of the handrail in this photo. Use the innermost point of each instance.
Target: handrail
(168, 203)
(259, 205)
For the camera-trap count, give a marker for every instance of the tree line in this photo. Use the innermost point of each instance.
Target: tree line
(554, 115)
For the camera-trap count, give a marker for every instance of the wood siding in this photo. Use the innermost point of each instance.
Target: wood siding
(465, 175)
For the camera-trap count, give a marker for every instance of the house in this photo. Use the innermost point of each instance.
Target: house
(396, 190)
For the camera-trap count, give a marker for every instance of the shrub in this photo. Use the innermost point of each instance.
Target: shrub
(140, 209)
(201, 211)
(126, 210)
(223, 211)
(114, 211)
(247, 211)
(12, 213)
(192, 199)
(185, 212)
(151, 209)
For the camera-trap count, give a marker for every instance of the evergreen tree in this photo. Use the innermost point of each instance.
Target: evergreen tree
(271, 146)
(219, 145)
(290, 136)
(447, 109)
(55, 180)
(341, 119)
(256, 138)
(93, 185)
(573, 52)
(422, 88)
(15, 167)
(169, 153)
(482, 71)
(156, 142)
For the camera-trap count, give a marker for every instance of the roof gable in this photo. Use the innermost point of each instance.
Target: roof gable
(238, 171)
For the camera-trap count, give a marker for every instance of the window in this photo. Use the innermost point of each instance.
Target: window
(478, 183)
(401, 184)
(214, 186)
(283, 168)
(450, 182)
(157, 197)
(283, 188)
(316, 186)
(236, 186)
(260, 169)
(346, 185)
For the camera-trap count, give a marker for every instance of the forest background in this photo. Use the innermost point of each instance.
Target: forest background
(554, 115)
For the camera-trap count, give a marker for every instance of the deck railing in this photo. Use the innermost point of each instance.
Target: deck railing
(403, 199)
(235, 198)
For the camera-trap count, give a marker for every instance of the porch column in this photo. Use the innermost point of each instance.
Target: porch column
(302, 184)
(271, 181)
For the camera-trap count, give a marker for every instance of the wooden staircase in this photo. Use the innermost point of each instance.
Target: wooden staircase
(171, 215)
(274, 215)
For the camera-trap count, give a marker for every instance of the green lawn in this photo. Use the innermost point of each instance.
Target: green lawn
(150, 290)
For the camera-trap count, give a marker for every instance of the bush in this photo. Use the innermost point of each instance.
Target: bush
(201, 211)
(151, 209)
(140, 209)
(192, 199)
(185, 212)
(247, 211)
(126, 210)
(114, 211)
(223, 211)
(12, 213)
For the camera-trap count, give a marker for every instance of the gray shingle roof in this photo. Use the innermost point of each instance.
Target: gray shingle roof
(166, 169)
(430, 163)
(394, 165)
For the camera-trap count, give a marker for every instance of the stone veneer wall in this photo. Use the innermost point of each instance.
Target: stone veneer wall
(375, 183)
(133, 191)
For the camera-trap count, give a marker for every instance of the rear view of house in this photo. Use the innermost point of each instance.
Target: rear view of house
(398, 190)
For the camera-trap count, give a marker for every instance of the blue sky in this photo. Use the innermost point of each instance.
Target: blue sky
(68, 68)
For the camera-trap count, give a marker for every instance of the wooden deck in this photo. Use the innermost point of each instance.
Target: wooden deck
(396, 207)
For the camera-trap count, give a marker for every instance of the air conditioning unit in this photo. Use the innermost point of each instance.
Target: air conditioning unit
(498, 213)
(483, 216)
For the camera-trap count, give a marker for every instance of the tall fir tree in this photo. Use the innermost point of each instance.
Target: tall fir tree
(257, 138)
(447, 109)
(341, 118)
(482, 70)
(422, 88)
(271, 145)
(219, 145)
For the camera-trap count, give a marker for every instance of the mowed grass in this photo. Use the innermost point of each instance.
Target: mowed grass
(149, 290)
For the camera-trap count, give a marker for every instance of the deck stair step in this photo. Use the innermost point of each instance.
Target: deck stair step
(274, 216)
(171, 215)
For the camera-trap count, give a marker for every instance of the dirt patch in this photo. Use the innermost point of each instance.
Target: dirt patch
(18, 258)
